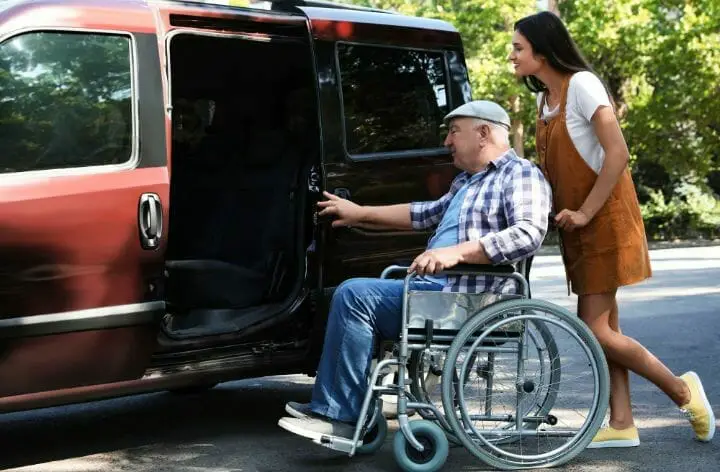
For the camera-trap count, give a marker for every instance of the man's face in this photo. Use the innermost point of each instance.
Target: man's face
(465, 140)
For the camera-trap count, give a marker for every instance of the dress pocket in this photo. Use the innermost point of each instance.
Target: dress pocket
(611, 229)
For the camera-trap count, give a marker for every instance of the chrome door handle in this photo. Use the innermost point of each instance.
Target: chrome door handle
(150, 220)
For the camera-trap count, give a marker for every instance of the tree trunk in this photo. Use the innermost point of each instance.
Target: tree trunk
(553, 6)
(518, 130)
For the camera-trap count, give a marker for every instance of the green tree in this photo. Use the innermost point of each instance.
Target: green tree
(661, 61)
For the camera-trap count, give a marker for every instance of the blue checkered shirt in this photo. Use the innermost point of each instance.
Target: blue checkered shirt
(506, 210)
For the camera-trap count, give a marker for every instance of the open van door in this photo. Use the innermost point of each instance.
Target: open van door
(386, 82)
(83, 194)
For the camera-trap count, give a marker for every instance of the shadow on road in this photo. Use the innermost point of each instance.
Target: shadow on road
(233, 428)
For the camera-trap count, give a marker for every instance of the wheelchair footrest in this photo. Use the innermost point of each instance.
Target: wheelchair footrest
(337, 443)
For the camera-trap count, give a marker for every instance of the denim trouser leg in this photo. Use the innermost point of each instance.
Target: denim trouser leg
(360, 309)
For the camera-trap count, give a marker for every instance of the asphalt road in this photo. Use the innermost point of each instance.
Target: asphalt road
(233, 427)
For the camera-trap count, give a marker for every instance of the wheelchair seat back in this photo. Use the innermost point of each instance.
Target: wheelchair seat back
(447, 312)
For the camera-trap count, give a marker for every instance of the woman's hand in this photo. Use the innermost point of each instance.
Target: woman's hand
(569, 220)
(346, 212)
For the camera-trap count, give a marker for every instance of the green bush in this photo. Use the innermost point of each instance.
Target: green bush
(690, 213)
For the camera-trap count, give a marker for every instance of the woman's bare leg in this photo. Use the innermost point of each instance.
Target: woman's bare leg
(621, 416)
(623, 352)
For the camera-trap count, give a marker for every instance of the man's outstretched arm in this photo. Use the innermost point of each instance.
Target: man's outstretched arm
(347, 213)
(404, 216)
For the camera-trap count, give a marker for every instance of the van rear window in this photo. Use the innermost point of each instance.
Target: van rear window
(394, 99)
(65, 101)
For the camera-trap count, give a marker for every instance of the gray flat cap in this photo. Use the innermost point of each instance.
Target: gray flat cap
(483, 109)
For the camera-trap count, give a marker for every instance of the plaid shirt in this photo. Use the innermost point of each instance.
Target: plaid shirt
(506, 210)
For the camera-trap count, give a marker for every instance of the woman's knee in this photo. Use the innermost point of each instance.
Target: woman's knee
(605, 336)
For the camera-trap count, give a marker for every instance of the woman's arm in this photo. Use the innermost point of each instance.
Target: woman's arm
(617, 156)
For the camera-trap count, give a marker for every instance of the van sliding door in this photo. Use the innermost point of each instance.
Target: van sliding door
(385, 85)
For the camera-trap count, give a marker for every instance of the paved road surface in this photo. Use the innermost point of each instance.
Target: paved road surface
(233, 427)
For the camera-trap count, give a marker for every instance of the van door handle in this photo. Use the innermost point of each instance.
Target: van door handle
(150, 220)
(342, 193)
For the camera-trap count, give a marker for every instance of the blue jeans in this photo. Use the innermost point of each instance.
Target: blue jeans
(360, 309)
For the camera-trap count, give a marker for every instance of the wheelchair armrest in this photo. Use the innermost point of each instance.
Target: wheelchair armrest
(461, 269)
(471, 269)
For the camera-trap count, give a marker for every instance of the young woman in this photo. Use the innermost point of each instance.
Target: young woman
(585, 158)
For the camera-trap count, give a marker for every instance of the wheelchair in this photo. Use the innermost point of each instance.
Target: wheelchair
(520, 383)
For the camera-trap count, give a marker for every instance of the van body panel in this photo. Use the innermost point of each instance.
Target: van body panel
(381, 28)
(81, 296)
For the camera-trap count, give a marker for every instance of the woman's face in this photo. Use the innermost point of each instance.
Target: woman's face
(524, 61)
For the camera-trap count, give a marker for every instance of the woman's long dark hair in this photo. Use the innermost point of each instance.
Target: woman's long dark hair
(548, 37)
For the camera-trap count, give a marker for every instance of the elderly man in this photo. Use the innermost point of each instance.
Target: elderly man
(496, 212)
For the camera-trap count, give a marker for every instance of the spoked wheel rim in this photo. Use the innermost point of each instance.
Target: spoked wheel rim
(554, 445)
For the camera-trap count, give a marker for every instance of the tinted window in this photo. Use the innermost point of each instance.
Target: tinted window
(394, 99)
(65, 101)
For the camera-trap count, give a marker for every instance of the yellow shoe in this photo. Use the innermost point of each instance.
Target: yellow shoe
(698, 409)
(611, 437)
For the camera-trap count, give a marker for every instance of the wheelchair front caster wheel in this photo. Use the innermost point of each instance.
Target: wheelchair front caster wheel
(374, 438)
(431, 458)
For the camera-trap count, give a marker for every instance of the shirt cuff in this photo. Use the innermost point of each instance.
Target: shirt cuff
(493, 249)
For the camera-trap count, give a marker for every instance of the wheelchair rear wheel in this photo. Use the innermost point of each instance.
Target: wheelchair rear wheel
(529, 415)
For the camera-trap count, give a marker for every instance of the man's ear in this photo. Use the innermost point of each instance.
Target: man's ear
(484, 131)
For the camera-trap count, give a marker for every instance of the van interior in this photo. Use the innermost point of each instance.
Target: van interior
(245, 137)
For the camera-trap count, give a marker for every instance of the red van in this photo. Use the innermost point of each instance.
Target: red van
(160, 162)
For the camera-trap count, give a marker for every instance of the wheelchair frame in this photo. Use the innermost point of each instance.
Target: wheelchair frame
(405, 345)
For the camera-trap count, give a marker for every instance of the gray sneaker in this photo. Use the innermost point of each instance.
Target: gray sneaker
(315, 428)
(298, 410)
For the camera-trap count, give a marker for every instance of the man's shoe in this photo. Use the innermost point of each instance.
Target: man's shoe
(611, 437)
(315, 428)
(698, 409)
(298, 410)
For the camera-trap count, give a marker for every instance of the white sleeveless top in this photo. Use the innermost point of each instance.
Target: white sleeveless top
(586, 93)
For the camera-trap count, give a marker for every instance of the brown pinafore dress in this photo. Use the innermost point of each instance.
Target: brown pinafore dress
(611, 251)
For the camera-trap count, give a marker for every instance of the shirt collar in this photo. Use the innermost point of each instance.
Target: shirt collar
(496, 163)
(503, 158)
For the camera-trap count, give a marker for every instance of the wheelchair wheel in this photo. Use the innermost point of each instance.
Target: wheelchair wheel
(434, 442)
(425, 368)
(375, 437)
(529, 415)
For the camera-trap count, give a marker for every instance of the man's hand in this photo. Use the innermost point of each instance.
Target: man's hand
(346, 212)
(571, 220)
(436, 260)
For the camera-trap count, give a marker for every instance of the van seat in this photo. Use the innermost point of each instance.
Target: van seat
(213, 284)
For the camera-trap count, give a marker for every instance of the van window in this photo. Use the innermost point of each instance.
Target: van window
(394, 99)
(65, 101)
